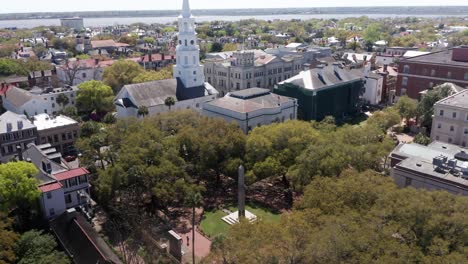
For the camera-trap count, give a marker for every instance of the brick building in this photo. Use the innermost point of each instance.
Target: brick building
(427, 71)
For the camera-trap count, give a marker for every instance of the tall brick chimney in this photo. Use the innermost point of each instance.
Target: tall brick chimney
(460, 53)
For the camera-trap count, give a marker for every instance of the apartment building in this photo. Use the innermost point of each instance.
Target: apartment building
(424, 72)
(61, 131)
(450, 121)
(16, 132)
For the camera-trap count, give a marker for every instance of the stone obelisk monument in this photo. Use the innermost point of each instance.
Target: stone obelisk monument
(241, 192)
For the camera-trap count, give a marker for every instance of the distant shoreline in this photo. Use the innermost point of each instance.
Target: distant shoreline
(410, 11)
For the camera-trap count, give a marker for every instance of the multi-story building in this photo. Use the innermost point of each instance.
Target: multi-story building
(37, 100)
(16, 132)
(420, 73)
(62, 187)
(439, 166)
(450, 121)
(252, 108)
(233, 71)
(61, 132)
(324, 91)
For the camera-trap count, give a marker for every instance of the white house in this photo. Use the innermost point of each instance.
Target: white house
(374, 83)
(62, 187)
(252, 108)
(75, 72)
(37, 100)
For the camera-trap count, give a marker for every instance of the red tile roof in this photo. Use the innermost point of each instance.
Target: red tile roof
(4, 89)
(50, 187)
(71, 174)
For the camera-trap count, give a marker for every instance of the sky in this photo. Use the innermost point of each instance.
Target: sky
(25, 6)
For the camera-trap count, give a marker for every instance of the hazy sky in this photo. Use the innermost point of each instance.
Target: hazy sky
(22, 6)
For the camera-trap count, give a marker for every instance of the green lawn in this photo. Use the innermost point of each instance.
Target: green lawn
(212, 224)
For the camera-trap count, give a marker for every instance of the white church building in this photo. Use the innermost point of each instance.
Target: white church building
(188, 87)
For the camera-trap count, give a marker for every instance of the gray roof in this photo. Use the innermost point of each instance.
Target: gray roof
(18, 97)
(457, 100)
(250, 100)
(439, 57)
(37, 155)
(151, 93)
(155, 93)
(419, 158)
(317, 78)
(17, 122)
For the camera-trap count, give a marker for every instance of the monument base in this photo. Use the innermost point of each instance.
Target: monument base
(234, 217)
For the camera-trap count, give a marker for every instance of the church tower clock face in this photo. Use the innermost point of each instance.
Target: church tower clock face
(188, 68)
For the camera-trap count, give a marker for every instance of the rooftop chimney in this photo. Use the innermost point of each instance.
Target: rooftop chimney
(460, 53)
(20, 152)
(385, 68)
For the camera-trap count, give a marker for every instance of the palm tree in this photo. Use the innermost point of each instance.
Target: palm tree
(143, 111)
(170, 101)
(193, 200)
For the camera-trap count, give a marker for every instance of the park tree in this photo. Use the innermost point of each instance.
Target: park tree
(422, 139)
(95, 96)
(130, 40)
(62, 100)
(70, 111)
(357, 218)
(8, 240)
(230, 47)
(372, 32)
(11, 67)
(149, 40)
(149, 76)
(385, 119)
(407, 108)
(121, 73)
(18, 187)
(427, 102)
(71, 68)
(360, 147)
(36, 247)
(216, 47)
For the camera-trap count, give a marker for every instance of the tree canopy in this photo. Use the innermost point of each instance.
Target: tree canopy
(18, 187)
(36, 247)
(358, 218)
(95, 96)
(148, 76)
(121, 73)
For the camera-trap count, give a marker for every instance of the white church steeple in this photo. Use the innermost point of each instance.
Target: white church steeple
(188, 68)
(186, 9)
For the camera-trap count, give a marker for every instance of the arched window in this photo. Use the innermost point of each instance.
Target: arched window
(185, 42)
(192, 42)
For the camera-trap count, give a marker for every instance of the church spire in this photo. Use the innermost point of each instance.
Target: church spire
(186, 9)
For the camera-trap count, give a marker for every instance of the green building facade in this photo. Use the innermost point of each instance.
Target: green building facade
(338, 100)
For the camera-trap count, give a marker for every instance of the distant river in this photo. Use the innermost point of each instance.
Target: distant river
(110, 21)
